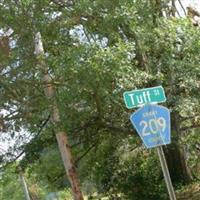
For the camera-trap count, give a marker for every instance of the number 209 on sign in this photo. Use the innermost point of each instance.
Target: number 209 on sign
(152, 123)
(152, 126)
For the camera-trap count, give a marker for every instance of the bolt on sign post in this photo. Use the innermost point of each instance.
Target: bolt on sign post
(152, 123)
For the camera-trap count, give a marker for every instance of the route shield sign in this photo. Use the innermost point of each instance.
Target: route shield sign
(136, 98)
(152, 123)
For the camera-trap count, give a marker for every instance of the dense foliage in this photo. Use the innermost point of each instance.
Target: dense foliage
(96, 50)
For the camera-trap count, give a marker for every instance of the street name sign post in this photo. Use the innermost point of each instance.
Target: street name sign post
(152, 123)
(138, 98)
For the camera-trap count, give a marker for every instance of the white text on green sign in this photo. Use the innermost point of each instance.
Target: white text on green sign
(137, 98)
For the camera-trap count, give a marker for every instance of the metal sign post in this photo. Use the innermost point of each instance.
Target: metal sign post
(166, 173)
(152, 123)
(23, 182)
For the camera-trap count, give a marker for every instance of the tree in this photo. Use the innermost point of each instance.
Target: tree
(96, 50)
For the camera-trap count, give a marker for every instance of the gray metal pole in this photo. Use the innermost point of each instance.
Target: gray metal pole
(166, 174)
(24, 186)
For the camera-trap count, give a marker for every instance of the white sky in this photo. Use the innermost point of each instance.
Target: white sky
(193, 3)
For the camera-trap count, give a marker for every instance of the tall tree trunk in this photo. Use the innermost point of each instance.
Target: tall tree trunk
(176, 156)
(173, 8)
(61, 136)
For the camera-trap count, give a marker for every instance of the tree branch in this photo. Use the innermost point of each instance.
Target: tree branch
(91, 121)
(186, 118)
(12, 161)
(118, 129)
(85, 153)
(62, 3)
(140, 56)
(190, 127)
(41, 127)
(182, 7)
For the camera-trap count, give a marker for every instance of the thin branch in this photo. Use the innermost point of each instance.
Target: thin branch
(85, 153)
(140, 55)
(177, 11)
(7, 117)
(76, 144)
(118, 129)
(197, 148)
(98, 104)
(87, 35)
(41, 127)
(12, 161)
(62, 3)
(195, 176)
(186, 118)
(134, 148)
(190, 127)
(182, 7)
(91, 121)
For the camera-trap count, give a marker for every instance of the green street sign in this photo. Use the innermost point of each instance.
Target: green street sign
(137, 98)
